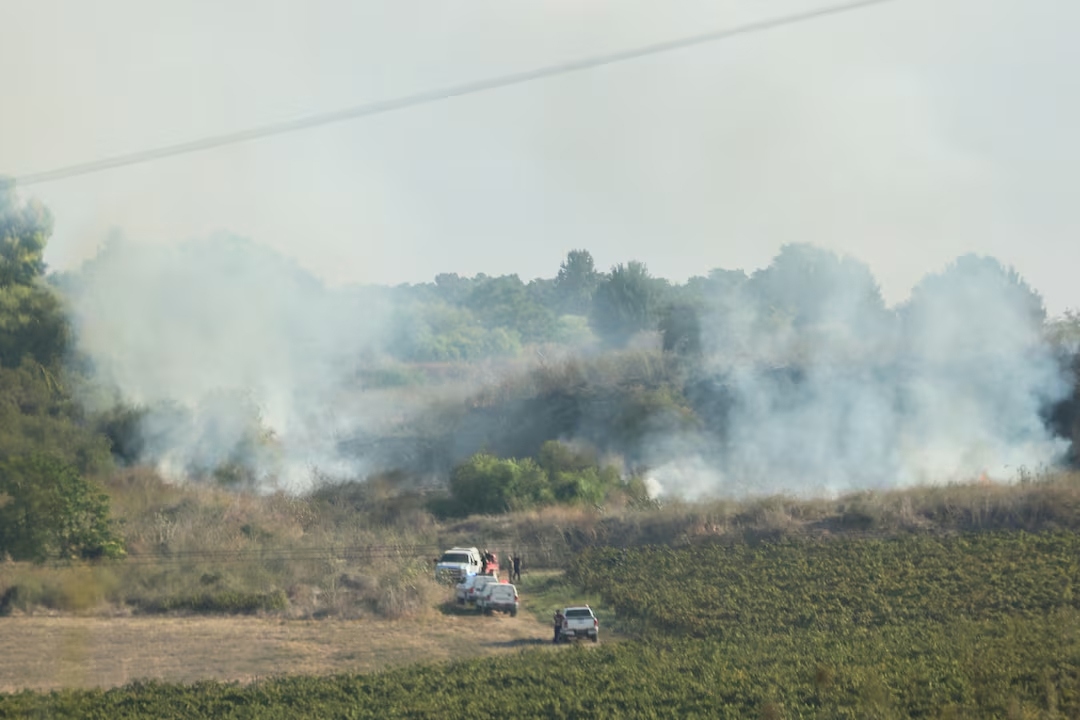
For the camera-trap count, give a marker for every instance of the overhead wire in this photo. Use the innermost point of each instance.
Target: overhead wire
(430, 96)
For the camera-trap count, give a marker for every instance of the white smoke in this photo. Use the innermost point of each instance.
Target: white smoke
(237, 354)
(831, 391)
(242, 358)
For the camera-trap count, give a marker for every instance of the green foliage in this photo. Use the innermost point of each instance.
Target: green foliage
(120, 424)
(577, 282)
(24, 230)
(836, 586)
(504, 302)
(573, 330)
(37, 416)
(487, 484)
(810, 286)
(223, 601)
(32, 325)
(561, 474)
(438, 333)
(625, 303)
(49, 511)
(680, 329)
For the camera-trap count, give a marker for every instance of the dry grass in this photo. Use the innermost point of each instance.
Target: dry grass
(348, 558)
(1045, 503)
(52, 652)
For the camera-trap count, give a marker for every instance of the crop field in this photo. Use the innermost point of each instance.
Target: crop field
(965, 626)
(836, 585)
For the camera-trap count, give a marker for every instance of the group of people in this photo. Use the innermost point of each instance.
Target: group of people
(491, 563)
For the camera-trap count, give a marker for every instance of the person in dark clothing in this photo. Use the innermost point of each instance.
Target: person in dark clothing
(558, 625)
(515, 574)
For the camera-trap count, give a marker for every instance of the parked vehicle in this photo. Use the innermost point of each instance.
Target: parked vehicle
(475, 587)
(498, 597)
(579, 622)
(458, 563)
(465, 591)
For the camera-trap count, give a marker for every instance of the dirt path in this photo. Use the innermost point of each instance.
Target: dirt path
(53, 652)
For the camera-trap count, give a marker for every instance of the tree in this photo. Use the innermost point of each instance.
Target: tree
(680, 329)
(24, 230)
(32, 321)
(975, 307)
(47, 510)
(624, 303)
(32, 324)
(811, 286)
(504, 302)
(486, 484)
(577, 282)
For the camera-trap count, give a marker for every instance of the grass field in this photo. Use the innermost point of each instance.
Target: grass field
(926, 626)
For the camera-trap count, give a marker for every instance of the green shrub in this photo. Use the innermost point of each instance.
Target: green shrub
(225, 601)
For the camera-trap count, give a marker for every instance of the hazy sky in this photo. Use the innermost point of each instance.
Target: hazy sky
(905, 134)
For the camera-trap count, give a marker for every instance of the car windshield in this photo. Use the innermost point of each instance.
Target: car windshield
(579, 613)
(455, 558)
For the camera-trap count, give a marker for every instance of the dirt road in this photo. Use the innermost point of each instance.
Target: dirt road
(54, 652)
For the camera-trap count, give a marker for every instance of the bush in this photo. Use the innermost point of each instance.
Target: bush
(225, 601)
(49, 511)
(487, 484)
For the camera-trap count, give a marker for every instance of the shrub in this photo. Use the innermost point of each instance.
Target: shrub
(50, 511)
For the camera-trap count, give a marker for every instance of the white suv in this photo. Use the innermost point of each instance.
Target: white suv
(502, 597)
(467, 592)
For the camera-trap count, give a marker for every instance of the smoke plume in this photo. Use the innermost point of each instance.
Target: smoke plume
(235, 355)
(805, 381)
(827, 390)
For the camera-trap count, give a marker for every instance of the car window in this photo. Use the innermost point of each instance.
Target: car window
(455, 558)
(579, 613)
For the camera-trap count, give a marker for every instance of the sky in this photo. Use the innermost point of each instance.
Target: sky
(904, 134)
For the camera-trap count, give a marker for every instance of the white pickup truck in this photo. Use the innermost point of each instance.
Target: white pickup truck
(579, 622)
(501, 597)
(458, 563)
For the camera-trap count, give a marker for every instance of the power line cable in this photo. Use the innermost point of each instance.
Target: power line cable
(431, 96)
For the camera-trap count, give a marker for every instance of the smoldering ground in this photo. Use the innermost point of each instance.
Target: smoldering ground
(806, 382)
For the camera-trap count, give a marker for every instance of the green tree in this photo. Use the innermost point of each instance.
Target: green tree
(437, 332)
(38, 415)
(487, 484)
(47, 510)
(625, 303)
(32, 324)
(32, 321)
(24, 230)
(810, 286)
(680, 329)
(504, 302)
(577, 282)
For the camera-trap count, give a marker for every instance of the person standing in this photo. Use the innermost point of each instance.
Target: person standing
(558, 625)
(515, 574)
